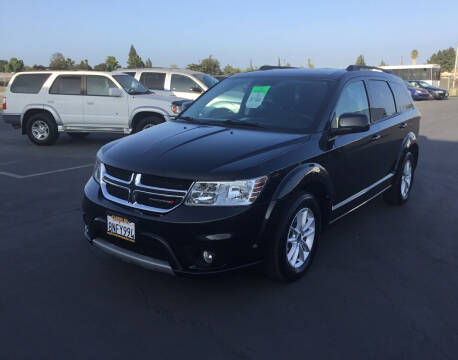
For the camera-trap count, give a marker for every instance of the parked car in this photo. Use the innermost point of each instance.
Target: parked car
(44, 104)
(170, 81)
(222, 188)
(436, 93)
(418, 93)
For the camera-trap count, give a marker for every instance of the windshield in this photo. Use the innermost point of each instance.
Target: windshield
(274, 103)
(208, 80)
(424, 83)
(132, 86)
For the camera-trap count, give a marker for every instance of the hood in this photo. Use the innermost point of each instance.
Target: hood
(433, 88)
(190, 151)
(419, 89)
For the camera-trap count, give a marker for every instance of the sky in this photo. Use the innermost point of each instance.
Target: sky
(331, 33)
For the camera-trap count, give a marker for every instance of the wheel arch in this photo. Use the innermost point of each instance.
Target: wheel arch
(312, 178)
(410, 143)
(35, 109)
(142, 112)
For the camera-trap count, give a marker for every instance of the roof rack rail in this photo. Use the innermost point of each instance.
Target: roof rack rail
(366, 67)
(273, 67)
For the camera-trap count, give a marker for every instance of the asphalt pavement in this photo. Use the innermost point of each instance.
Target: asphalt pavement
(383, 285)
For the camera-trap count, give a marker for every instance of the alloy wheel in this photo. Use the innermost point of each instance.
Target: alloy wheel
(300, 238)
(406, 179)
(40, 130)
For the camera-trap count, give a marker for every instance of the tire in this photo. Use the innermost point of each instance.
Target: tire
(42, 129)
(280, 256)
(146, 123)
(77, 135)
(399, 192)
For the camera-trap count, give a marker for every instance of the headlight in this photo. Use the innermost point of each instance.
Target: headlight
(97, 173)
(222, 193)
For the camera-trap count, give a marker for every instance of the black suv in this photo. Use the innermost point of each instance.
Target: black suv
(254, 170)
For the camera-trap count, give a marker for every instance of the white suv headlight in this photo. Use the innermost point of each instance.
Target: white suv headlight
(225, 193)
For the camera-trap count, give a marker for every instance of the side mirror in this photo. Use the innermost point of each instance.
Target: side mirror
(349, 123)
(195, 89)
(115, 92)
(180, 105)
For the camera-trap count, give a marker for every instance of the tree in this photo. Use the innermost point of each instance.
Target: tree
(445, 58)
(148, 63)
(14, 65)
(38, 67)
(57, 62)
(414, 55)
(207, 66)
(111, 63)
(360, 60)
(101, 67)
(229, 70)
(83, 65)
(134, 61)
(309, 64)
(70, 63)
(383, 63)
(3, 64)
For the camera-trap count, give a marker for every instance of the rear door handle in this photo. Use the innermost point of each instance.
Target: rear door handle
(403, 126)
(376, 137)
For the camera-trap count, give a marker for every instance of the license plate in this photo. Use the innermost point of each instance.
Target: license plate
(121, 228)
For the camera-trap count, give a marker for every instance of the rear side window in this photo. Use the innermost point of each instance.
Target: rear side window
(153, 81)
(66, 85)
(98, 85)
(183, 83)
(402, 97)
(352, 100)
(381, 98)
(28, 83)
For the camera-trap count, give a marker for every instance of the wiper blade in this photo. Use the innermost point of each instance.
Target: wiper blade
(190, 119)
(243, 123)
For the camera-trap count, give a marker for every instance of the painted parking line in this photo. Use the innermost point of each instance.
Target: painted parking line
(17, 176)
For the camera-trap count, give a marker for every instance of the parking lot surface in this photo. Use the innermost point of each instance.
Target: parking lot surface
(384, 283)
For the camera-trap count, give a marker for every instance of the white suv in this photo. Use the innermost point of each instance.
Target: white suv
(45, 103)
(180, 82)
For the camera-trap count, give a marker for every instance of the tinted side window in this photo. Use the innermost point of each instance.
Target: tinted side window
(66, 85)
(353, 99)
(382, 102)
(98, 85)
(28, 83)
(182, 83)
(154, 81)
(402, 96)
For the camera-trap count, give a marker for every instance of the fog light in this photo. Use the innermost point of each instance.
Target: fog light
(208, 256)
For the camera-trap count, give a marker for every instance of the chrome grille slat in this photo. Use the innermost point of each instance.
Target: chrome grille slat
(155, 195)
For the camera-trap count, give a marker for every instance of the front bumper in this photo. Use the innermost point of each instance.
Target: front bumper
(174, 242)
(421, 96)
(439, 96)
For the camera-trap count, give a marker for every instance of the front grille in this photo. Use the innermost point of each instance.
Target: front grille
(144, 192)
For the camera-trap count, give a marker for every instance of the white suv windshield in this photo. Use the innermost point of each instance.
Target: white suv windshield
(275, 103)
(132, 86)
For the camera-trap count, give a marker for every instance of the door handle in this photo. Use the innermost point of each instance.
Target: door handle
(376, 137)
(90, 103)
(403, 126)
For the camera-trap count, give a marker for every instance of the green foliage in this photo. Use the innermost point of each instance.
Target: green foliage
(134, 61)
(58, 62)
(3, 63)
(229, 70)
(309, 64)
(148, 63)
(111, 64)
(14, 65)
(383, 63)
(208, 66)
(360, 61)
(445, 58)
(38, 67)
(101, 67)
(83, 65)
